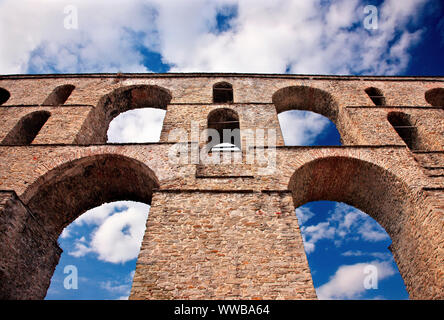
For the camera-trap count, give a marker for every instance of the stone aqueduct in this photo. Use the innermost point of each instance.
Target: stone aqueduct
(219, 231)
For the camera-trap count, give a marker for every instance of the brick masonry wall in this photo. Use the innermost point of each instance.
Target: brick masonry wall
(212, 245)
(27, 253)
(222, 231)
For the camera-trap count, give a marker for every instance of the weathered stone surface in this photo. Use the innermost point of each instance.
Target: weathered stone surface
(219, 231)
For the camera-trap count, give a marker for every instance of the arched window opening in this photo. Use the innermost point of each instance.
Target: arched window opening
(435, 97)
(103, 245)
(307, 116)
(117, 102)
(376, 96)
(402, 124)
(4, 95)
(307, 99)
(59, 95)
(380, 191)
(109, 234)
(225, 135)
(27, 128)
(305, 128)
(136, 126)
(345, 249)
(222, 93)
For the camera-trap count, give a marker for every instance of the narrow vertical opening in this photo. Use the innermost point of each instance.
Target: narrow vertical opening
(376, 96)
(402, 124)
(224, 130)
(222, 93)
(27, 128)
(4, 95)
(59, 95)
(435, 97)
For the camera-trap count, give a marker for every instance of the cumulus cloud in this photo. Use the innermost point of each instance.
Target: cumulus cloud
(120, 288)
(301, 127)
(304, 214)
(36, 40)
(345, 223)
(358, 253)
(140, 125)
(372, 232)
(118, 233)
(349, 280)
(314, 233)
(258, 36)
(65, 233)
(299, 36)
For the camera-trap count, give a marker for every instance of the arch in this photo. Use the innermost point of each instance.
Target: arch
(59, 95)
(306, 98)
(383, 196)
(65, 192)
(61, 195)
(95, 127)
(355, 182)
(435, 97)
(4, 95)
(225, 119)
(338, 237)
(223, 92)
(25, 131)
(403, 126)
(376, 95)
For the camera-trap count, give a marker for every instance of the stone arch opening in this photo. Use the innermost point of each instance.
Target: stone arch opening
(376, 95)
(341, 243)
(402, 123)
(225, 122)
(59, 95)
(435, 97)
(306, 98)
(25, 131)
(223, 92)
(103, 243)
(380, 194)
(61, 195)
(123, 99)
(307, 107)
(4, 95)
(80, 185)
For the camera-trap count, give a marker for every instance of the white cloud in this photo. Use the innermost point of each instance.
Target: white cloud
(99, 214)
(305, 36)
(314, 233)
(344, 224)
(139, 125)
(114, 287)
(348, 281)
(302, 36)
(118, 235)
(115, 245)
(304, 214)
(372, 232)
(358, 253)
(104, 41)
(120, 288)
(80, 249)
(65, 233)
(301, 127)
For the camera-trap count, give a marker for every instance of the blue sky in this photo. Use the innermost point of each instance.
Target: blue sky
(258, 36)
